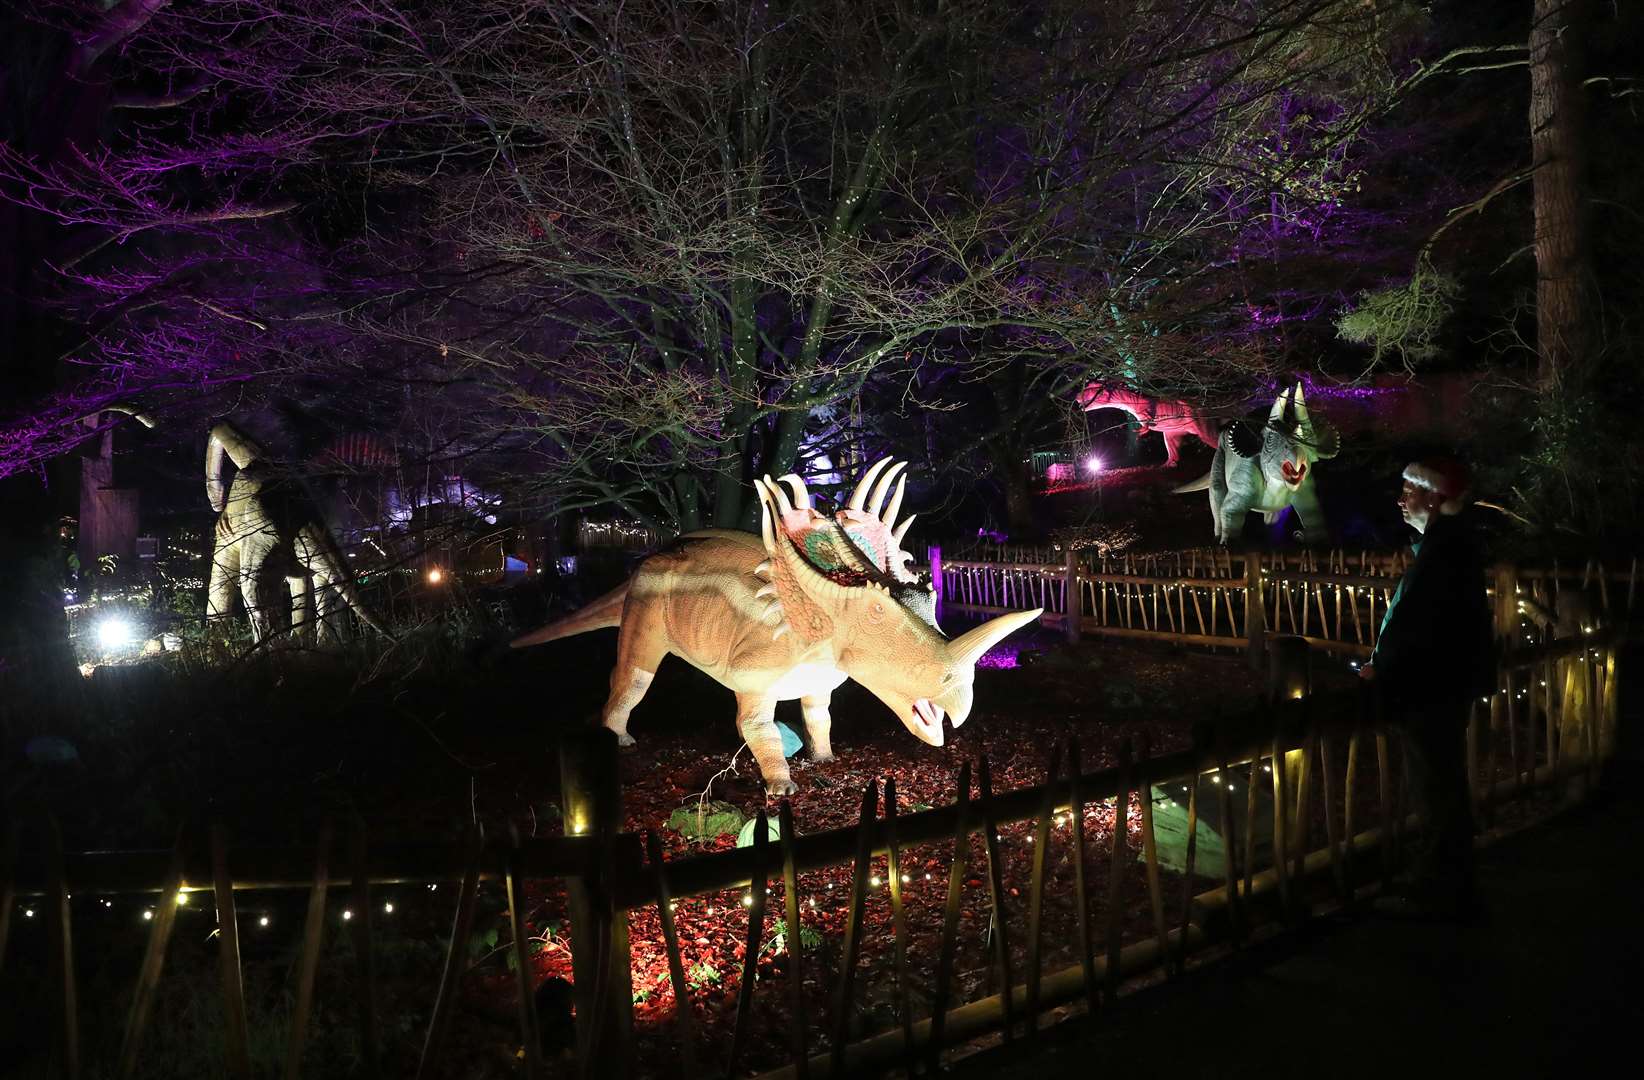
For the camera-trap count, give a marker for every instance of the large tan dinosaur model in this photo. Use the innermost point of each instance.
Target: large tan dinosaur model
(269, 527)
(792, 613)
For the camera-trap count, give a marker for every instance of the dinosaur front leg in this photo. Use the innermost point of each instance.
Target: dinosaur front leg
(1218, 491)
(225, 581)
(818, 725)
(756, 720)
(1231, 516)
(1309, 513)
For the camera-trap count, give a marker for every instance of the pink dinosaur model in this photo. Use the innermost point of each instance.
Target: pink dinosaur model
(1177, 421)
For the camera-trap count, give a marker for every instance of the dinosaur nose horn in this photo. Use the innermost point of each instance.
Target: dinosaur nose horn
(969, 647)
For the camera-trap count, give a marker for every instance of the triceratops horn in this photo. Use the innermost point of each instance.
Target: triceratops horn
(968, 647)
(1281, 405)
(1300, 407)
(876, 501)
(801, 497)
(863, 486)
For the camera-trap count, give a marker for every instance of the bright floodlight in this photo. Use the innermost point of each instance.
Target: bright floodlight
(1093, 464)
(434, 576)
(115, 632)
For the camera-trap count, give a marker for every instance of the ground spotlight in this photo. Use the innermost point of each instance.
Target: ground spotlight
(115, 632)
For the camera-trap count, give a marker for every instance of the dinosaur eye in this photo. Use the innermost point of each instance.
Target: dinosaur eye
(876, 611)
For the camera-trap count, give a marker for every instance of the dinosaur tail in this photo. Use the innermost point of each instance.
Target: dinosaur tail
(1201, 484)
(601, 614)
(320, 551)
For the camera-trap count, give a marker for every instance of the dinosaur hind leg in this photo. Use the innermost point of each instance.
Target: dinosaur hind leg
(1173, 447)
(638, 656)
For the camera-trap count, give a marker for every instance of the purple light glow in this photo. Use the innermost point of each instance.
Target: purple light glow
(1000, 657)
(1093, 465)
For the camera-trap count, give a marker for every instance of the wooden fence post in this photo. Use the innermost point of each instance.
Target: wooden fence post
(1075, 601)
(1289, 669)
(1255, 618)
(601, 967)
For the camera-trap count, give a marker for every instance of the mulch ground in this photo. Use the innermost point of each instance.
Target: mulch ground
(421, 759)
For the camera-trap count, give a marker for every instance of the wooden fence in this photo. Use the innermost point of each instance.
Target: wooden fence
(1551, 722)
(1335, 600)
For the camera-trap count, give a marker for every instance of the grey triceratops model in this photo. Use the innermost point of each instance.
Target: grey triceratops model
(1268, 467)
(269, 528)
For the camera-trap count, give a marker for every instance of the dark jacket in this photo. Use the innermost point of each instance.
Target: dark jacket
(1436, 642)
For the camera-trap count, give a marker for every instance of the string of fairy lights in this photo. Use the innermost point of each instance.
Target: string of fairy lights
(264, 919)
(147, 910)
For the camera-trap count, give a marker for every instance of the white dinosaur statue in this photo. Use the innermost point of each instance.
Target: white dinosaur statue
(793, 613)
(1267, 468)
(268, 527)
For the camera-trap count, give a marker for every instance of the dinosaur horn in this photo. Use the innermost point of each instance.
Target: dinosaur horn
(1299, 408)
(876, 501)
(889, 517)
(968, 647)
(902, 529)
(865, 484)
(1275, 415)
(801, 496)
(766, 532)
(778, 494)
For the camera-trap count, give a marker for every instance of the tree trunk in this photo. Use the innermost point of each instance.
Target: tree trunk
(1558, 154)
(1018, 496)
(1019, 508)
(58, 116)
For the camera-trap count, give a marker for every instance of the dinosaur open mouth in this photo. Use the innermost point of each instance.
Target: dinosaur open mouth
(927, 721)
(1293, 473)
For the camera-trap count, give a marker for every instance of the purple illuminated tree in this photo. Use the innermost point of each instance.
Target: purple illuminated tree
(642, 242)
(54, 101)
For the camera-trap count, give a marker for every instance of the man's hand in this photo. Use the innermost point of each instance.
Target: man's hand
(1368, 673)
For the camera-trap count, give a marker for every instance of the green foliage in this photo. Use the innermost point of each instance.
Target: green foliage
(1558, 472)
(773, 832)
(706, 820)
(1402, 319)
(702, 974)
(481, 943)
(778, 939)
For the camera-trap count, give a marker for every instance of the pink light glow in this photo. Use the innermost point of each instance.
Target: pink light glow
(1093, 464)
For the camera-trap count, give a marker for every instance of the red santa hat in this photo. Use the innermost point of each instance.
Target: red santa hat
(1446, 476)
